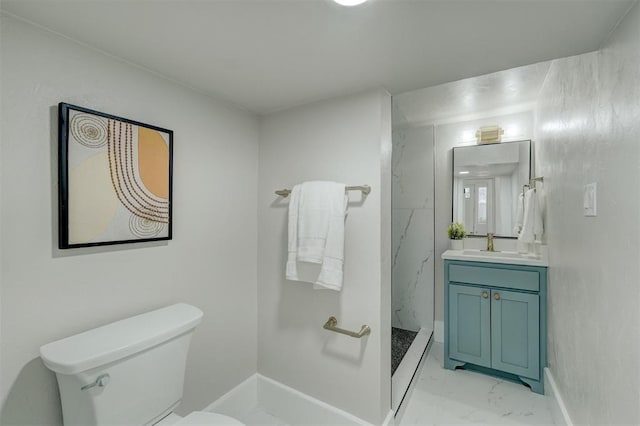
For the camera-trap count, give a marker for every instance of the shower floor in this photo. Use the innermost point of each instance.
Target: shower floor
(400, 342)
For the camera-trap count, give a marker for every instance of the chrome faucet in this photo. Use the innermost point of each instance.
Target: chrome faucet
(490, 242)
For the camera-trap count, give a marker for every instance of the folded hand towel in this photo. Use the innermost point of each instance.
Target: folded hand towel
(316, 232)
(292, 240)
(532, 227)
(519, 217)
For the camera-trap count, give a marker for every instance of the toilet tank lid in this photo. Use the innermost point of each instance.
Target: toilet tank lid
(119, 339)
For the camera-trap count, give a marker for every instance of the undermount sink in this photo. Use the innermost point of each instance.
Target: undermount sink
(510, 254)
(508, 257)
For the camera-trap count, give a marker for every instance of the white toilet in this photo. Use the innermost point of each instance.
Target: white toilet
(130, 372)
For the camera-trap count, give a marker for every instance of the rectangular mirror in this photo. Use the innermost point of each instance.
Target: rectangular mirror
(487, 182)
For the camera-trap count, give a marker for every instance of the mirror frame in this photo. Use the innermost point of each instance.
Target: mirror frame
(453, 175)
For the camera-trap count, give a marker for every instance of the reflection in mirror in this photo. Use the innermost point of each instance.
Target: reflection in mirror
(487, 182)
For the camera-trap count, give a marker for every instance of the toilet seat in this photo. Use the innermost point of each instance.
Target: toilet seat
(204, 418)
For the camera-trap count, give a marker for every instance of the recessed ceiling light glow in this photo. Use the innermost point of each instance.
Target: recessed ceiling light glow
(465, 172)
(349, 2)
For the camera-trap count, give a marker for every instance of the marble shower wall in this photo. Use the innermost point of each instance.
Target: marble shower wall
(588, 130)
(412, 271)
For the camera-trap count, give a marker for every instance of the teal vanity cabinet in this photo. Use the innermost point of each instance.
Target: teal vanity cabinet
(495, 319)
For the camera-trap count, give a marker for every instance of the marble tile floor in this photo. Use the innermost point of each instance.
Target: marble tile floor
(445, 397)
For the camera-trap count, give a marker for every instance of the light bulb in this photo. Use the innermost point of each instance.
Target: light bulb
(349, 2)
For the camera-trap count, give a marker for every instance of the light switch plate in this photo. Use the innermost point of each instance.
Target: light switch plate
(590, 199)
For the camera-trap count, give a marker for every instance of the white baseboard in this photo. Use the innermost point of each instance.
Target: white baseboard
(298, 408)
(281, 401)
(559, 410)
(235, 402)
(388, 421)
(438, 331)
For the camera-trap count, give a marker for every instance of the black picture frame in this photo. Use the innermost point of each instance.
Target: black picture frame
(85, 139)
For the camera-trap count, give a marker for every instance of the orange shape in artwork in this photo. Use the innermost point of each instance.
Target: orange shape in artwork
(153, 162)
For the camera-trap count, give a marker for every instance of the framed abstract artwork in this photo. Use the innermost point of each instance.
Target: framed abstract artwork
(115, 179)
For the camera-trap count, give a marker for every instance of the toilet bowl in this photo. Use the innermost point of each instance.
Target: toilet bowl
(130, 372)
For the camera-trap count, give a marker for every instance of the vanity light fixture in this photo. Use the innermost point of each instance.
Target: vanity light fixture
(349, 2)
(489, 134)
(464, 172)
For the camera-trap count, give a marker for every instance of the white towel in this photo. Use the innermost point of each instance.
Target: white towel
(519, 216)
(532, 227)
(317, 212)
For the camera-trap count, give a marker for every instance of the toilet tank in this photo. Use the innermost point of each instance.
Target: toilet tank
(130, 372)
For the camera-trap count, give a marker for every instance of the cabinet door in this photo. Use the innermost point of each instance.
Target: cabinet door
(469, 324)
(515, 333)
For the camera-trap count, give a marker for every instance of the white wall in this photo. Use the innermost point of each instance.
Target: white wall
(412, 219)
(48, 294)
(448, 136)
(588, 130)
(2, 392)
(346, 140)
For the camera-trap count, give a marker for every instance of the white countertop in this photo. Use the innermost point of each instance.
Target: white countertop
(507, 257)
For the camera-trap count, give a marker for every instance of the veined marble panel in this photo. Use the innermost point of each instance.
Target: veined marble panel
(412, 269)
(412, 168)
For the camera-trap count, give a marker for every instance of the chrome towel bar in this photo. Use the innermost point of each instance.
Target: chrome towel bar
(532, 183)
(332, 323)
(366, 189)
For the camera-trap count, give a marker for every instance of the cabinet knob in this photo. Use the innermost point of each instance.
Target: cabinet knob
(496, 296)
(485, 294)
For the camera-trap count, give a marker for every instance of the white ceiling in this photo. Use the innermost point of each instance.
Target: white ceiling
(267, 55)
(502, 92)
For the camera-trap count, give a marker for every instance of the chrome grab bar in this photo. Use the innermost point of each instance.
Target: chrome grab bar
(332, 323)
